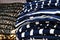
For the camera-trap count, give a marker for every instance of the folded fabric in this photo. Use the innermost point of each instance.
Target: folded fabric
(39, 20)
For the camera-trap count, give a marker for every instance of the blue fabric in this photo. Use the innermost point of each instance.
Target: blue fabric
(39, 20)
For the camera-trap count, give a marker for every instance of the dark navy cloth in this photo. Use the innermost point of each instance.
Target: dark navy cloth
(39, 20)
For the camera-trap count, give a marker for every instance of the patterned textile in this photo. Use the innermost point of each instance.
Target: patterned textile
(8, 15)
(39, 20)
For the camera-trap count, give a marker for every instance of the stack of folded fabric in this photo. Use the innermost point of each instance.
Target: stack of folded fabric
(8, 15)
(39, 20)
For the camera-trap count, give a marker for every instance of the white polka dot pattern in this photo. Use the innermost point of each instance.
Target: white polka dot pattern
(39, 20)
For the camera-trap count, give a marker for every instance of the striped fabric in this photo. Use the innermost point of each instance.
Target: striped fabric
(39, 20)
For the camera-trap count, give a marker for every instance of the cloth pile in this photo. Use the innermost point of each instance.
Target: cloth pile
(39, 20)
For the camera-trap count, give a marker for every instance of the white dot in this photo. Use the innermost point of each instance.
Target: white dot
(35, 1)
(31, 17)
(30, 5)
(52, 31)
(46, 39)
(29, 10)
(49, 2)
(43, 2)
(18, 18)
(59, 35)
(47, 24)
(43, 39)
(36, 6)
(31, 39)
(40, 24)
(41, 31)
(55, 26)
(28, 26)
(25, 10)
(23, 34)
(55, 34)
(29, 2)
(31, 32)
(55, 4)
(37, 23)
